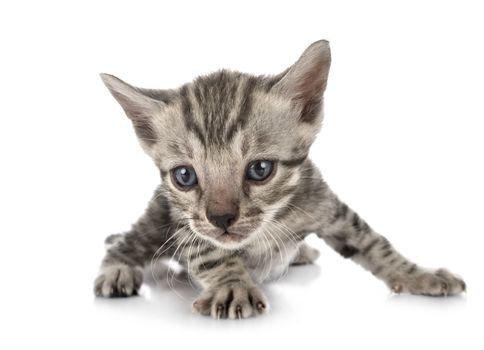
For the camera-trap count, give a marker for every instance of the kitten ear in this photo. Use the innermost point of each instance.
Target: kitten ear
(138, 106)
(305, 81)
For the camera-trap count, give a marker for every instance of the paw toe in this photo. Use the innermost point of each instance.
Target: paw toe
(452, 284)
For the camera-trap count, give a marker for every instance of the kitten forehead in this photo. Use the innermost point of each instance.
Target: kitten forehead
(231, 112)
(215, 107)
(224, 112)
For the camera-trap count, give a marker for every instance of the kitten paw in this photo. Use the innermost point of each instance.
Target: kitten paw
(118, 281)
(235, 301)
(305, 255)
(437, 283)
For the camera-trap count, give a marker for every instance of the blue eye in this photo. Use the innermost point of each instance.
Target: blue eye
(184, 176)
(259, 170)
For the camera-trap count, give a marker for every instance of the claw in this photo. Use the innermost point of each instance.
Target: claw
(238, 311)
(445, 288)
(220, 311)
(397, 288)
(260, 306)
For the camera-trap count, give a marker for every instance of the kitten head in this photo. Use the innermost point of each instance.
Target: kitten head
(230, 145)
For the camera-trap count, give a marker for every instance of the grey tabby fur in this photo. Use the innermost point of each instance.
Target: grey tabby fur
(218, 124)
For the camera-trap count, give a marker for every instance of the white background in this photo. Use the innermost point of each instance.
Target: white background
(402, 144)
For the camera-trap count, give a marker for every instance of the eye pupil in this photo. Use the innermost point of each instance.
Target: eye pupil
(184, 176)
(259, 170)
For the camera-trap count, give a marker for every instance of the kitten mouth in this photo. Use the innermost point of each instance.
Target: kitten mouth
(228, 237)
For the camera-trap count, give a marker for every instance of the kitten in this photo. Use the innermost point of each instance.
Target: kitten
(238, 193)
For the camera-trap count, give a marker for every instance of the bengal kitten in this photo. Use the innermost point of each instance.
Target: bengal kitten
(238, 194)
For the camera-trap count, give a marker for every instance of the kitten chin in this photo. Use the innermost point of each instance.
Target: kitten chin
(233, 237)
(228, 240)
(230, 237)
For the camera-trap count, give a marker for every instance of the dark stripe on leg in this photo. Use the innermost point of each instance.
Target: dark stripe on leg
(370, 246)
(387, 254)
(211, 264)
(225, 280)
(347, 251)
(340, 214)
(359, 224)
(202, 252)
(412, 269)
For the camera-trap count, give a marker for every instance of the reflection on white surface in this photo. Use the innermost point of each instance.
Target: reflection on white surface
(331, 302)
(170, 292)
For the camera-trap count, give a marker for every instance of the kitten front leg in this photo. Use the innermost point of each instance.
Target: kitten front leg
(353, 238)
(121, 272)
(228, 290)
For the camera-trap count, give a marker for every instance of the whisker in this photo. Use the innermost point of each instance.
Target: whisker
(192, 243)
(170, 283)
(277, 245)
(289, 234)
(301, 210)
(270, 254)
(158, 251)
(155, 258)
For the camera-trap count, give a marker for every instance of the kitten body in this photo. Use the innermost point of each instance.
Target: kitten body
(238, 193)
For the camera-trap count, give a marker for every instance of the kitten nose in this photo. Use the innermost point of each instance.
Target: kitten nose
(222, 221)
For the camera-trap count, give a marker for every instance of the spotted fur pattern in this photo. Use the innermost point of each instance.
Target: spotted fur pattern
(218, 124)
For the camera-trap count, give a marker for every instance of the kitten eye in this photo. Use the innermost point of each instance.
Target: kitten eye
(259, 170)
(184, 176)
